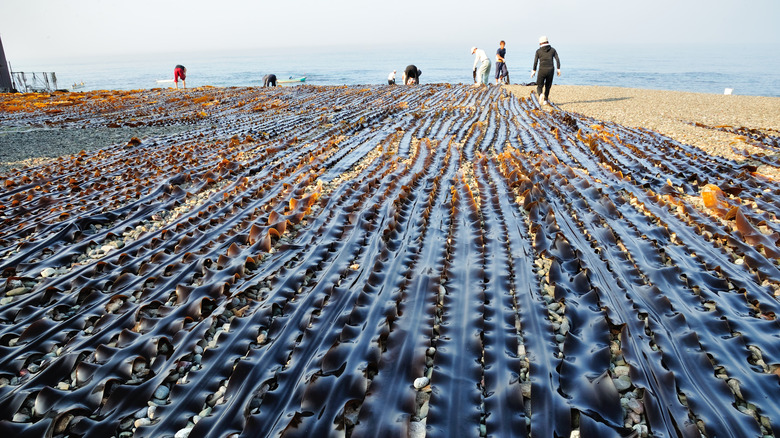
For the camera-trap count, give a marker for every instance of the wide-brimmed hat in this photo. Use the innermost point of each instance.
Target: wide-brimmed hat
(543, 39)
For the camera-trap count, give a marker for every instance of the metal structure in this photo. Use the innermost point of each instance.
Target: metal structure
(35, 82)
(5, 77)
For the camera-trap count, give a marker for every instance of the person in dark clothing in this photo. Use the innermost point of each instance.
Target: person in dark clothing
(180, 72)
(411, 75)
(269, 80)
(545, 55)
(502, 72)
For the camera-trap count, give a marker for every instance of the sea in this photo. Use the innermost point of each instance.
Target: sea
(744, 69)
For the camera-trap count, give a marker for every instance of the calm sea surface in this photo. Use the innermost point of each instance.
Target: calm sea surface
(748, 70)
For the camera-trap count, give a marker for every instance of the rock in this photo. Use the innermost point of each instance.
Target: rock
(635, 406)
(17, 291)
(734, 385)
(421, 382)
(183, 433)
(161, 392)
(416, 429)
(526, 388)
(48, 272)
(63, 386)
(564, 326)
(424, 410)
(622, 383)
(20, 418)
(141, 413)
(620, 371)
(142, 422)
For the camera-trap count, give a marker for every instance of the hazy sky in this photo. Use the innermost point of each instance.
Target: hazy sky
(36, 30)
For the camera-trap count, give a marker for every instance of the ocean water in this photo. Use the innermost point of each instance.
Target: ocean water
(748, 70)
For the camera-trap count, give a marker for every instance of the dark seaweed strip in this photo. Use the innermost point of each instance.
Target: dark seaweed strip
(666, 325)
(728, 331)
(457, 380)
(212, 375)
(131, 286)
(346, 366)
(550, 413)
(665, 413)
(268, 363)
(504, 407)
(406, 333)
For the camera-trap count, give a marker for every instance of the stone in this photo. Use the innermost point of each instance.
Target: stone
(636, 406)
(20, 418)
(416, 429)
(622, 384)
(620, 371)
(161, 392)
(142, 422)
(141, 413)
(424, 410)
(421, 382)
(17, 291)
(183, 433)
(48, 272)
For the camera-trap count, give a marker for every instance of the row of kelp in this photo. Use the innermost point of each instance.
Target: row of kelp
(356, 261)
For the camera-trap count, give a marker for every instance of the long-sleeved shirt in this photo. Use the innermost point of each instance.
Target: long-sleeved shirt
(544, 56)
(479, 58)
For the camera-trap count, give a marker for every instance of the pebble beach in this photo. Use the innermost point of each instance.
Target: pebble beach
(427, 261)
(690, 118)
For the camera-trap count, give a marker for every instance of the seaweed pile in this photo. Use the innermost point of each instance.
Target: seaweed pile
(354, 261)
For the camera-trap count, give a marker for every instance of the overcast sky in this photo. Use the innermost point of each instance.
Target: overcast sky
(36, 30)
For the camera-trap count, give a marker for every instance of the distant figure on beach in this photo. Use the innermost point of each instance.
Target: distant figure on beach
(544, 56)
(391, 78)
(411, 75)
(502, 72)
(180, 72)
(481, 71)
(269, 80)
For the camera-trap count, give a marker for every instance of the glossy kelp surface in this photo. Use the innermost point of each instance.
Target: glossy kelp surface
(353, 261)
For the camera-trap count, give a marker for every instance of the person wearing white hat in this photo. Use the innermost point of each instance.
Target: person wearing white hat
(545, 55)
(481, 67)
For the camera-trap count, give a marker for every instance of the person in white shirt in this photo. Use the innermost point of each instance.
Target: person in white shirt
(391, 78)
(481, 67)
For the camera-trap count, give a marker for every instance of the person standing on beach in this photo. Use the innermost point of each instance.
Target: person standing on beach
(502, 72)
(481, 67)
(411, 75)
(391, 78)
(180, 72)
(544, 57)
(269, 80)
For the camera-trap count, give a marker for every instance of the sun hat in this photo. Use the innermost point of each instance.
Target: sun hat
(543, 39)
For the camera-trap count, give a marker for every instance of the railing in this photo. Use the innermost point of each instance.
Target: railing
(34, 82)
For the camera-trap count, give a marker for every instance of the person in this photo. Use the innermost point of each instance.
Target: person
(502, 72)
(269, 80)
(391, 78)
(481, 71)
(411, 75)
(180, 72)
(545, 55)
